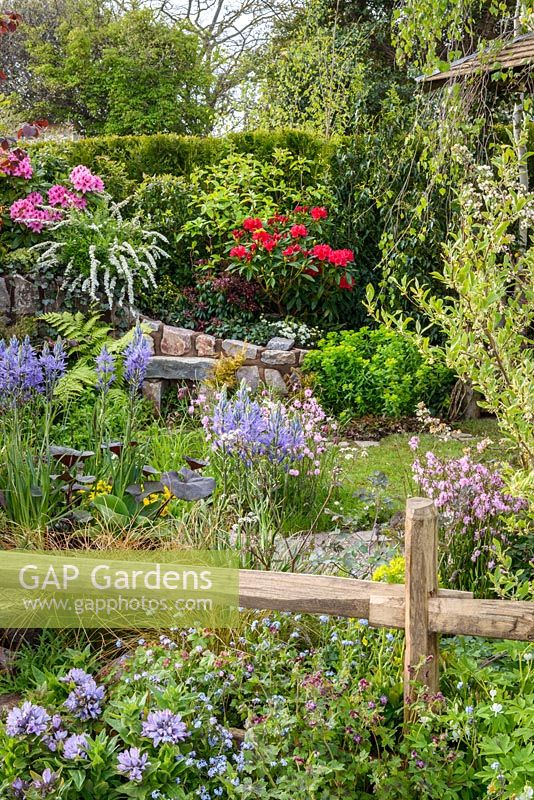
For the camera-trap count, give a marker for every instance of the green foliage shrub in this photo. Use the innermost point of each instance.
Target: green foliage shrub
(375, 372)
(163, 203)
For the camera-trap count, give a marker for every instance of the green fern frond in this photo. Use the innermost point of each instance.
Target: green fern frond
(89, 333)
(118, 345)
(73, 383)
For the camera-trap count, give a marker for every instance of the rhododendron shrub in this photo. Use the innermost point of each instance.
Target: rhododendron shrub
(36, 213)
(286, 255)
(32, 199)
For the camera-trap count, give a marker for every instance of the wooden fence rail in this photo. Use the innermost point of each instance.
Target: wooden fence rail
(423, 610)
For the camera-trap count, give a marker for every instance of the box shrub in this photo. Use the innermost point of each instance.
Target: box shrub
(375, 372)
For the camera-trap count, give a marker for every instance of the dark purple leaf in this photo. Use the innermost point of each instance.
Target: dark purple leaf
(187, 485)
(195, 464)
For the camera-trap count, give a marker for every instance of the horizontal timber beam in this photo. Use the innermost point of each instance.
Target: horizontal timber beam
(451, 612)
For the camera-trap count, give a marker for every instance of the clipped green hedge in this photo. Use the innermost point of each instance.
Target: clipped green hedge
(168, 153)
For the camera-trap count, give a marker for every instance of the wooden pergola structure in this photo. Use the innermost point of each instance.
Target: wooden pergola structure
(515, 56)
(498, 60)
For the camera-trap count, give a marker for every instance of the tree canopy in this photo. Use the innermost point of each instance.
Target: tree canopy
(115, 74)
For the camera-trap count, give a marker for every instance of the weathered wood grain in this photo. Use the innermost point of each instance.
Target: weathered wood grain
(421, 655)
(451, 612)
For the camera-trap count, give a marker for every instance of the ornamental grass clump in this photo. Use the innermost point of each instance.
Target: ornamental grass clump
(474, 511)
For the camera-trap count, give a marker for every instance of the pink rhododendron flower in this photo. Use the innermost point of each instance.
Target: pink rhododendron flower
(61, 196)
(23, 169)
(20, 208)
(36, 198)
(26, 212)
(84, 181)
(17, 165)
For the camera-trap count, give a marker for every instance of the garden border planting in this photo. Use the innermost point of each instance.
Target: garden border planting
(423, 610)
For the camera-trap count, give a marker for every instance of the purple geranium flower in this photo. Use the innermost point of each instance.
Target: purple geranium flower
(136, 357)
(75, 746)
(164, 726)
(26, 720)
(132, 763)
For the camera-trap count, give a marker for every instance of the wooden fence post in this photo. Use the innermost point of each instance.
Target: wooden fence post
(421, 583)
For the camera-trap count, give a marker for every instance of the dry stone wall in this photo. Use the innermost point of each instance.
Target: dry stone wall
(180, 354)
(18, 298)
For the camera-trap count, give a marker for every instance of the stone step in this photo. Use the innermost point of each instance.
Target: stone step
(185, 368)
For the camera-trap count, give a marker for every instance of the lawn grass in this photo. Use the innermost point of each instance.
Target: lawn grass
(394, 458)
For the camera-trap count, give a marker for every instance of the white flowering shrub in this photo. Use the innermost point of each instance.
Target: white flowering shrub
(102, 255)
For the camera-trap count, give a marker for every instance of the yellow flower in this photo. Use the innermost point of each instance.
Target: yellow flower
(101, 488)
(163, 498)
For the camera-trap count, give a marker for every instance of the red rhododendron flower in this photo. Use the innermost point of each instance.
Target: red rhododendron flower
(319, 212)
(237, 234)
(282, 218)
(322, 252)
(239, 252)
(270, 243)
(292, 250)
(346, 282)
(301, 209)
(252, 224)
(261, 236)
(341, 257)
(297, 231)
